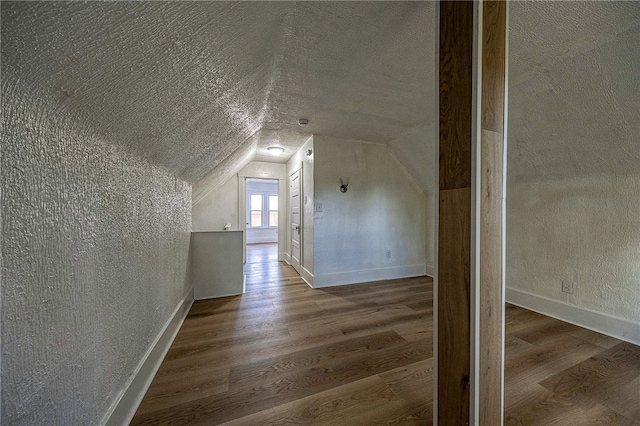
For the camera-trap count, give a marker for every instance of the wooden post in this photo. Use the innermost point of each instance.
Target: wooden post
(470, 284)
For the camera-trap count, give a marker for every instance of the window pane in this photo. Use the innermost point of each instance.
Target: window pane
(273, 202)
(256, 218)
(273, 218)
(256, 202)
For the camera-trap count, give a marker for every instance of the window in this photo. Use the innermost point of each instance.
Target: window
(256, 210)
(263, 210)
(273, 210)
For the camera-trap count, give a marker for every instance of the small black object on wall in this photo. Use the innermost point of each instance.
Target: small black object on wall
(344, 184)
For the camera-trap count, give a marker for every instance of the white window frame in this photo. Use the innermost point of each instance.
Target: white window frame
(265, 209)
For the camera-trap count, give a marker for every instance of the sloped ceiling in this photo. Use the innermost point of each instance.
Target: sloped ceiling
(185, 84)
(574, 102)
(201, 88)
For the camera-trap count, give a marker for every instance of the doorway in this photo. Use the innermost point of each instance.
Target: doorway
(261, 213)
(262, 227)
(261, 173)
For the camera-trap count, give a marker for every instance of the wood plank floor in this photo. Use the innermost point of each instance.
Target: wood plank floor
(284, 353)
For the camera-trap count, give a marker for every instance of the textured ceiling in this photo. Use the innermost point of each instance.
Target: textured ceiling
(202, 88)
(185, 84)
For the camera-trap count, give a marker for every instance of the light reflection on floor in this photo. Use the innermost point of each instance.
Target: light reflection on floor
(262, 269)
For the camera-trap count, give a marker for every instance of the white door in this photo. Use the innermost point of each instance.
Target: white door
(294, 183)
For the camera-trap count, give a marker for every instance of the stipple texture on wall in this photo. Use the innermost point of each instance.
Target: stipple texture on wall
(94, 247)
(383, 209)
(583, 230)
(574, 90)
(573, 169)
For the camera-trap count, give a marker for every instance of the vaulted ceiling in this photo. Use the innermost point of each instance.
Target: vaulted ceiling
(574, 101)
(201, 88)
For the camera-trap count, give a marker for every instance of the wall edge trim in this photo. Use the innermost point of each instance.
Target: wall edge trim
(368, 275)
(430, 271)
(619, 328)
(219, 296)
(123, 409)
(307, 277)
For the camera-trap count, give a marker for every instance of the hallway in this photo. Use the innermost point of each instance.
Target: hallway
(284, 353)
(262, 266)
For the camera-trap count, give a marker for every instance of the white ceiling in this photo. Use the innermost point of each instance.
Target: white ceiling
(202, 88)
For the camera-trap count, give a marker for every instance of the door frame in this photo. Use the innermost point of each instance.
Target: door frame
(289, 218)
(263, 171)
(265, 205)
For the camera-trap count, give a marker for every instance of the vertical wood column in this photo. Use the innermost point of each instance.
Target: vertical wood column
(470, 311)
(454, 225)
(492, 209)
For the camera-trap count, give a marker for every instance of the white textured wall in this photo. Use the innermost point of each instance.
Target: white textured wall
(262, 170)
(94, 250)
(574, 89)
(300, 157)
(383, 209)
(573, 173)
(218, 208)
(416, 150)
(585, 230)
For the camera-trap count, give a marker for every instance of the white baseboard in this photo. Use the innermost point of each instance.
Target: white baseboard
(261, 240)
(619, 328)
(353, 277)
(307, 276)
(221, 295)
(287, 258)
(282, 257)
(125, 406)
(430, 270)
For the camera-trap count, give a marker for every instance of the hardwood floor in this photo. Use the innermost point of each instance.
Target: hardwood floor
(284, 353)
(560, 374)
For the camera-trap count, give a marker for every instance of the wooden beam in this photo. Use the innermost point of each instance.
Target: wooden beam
(491, 201)
(456, 60)
(470, 311)
(454, 307)
(454, 226)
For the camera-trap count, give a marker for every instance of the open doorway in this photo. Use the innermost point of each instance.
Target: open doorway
(262, 224)
(262, 211)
